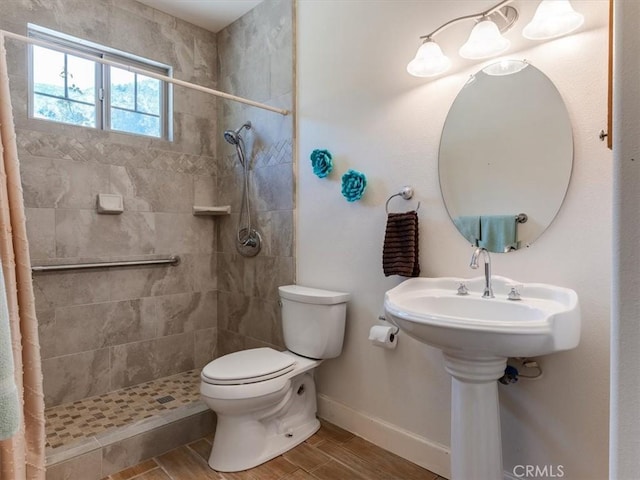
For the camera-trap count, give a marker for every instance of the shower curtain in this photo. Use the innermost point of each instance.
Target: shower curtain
(22, 455)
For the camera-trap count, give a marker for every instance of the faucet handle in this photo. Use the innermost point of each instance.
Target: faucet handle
(462, 289)
(514, 293)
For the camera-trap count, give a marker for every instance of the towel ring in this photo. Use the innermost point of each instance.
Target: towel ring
(406, 193)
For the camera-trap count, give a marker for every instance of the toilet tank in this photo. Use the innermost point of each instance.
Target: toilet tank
(313, 320)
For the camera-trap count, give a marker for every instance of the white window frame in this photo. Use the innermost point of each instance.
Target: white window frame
(103, 94)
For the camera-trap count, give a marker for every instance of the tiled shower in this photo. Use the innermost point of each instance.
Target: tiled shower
(108, 329)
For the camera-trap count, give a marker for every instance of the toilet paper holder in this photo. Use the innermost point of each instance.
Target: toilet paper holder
(384, 319)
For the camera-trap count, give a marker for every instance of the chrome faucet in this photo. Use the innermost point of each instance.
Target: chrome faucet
(488, 290)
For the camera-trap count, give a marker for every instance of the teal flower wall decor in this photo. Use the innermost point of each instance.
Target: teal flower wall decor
(322, 162)
(353, 185)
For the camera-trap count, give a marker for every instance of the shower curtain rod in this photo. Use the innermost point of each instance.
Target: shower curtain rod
(174, 81)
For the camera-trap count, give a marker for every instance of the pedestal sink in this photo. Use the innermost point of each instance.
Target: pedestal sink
(476, 336)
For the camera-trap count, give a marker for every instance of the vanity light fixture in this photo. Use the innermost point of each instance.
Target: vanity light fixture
(429, 60)
(485, 41)
(553, 18)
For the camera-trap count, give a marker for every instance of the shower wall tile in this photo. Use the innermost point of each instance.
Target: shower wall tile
(139, 282)
(95, 326)
(193, 234)
(16, 65)
(19, 84)
(134, 314)
(226, 237)
(255, 56)
(199, 104)
(277, 153)
(230, 342)
(41, 232)
(246, 83)
(277, 232)
(205, 63)
(281, 72)
(273, 187)
(204, 190)
(185, 125)
(47, 332)
(257, 277)
(73, 377)
(84, 233)
(267, 274)
(250, 316)
(138, 362)
(55, 140)
(205, 346)
(194, 273)
(149, 190)
(185, 312)
(231, 276)
(229, 190)
(204, 271)
(56, 183)
(70, 288)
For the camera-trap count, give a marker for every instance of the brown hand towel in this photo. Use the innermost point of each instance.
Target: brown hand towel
(400, 250)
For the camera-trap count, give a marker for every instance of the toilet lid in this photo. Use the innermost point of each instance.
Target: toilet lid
(247, 366)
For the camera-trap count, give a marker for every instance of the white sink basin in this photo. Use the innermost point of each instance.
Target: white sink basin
(476, 336)
(545, 320)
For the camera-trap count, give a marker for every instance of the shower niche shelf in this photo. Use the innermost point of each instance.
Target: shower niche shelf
(211, 211)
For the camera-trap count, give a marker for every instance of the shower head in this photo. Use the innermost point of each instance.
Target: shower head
(233, 136)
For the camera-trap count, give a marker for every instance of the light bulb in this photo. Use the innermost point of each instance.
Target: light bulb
(553, 18)
(484, 41)
(505, 67)
(429, 60)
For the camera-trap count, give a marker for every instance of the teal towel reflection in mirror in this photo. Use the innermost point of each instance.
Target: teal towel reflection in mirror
(496, 233)
(469, 227)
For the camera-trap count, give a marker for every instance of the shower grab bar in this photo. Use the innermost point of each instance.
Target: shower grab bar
(172, 260)
(141, 71)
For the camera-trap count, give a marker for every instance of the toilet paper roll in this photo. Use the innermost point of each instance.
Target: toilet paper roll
(383, 336)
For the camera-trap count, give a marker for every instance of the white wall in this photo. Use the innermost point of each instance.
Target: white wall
(356, 99)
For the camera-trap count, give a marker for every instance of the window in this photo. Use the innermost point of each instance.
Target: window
(73, 89)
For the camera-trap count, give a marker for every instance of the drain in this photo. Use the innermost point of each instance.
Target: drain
(166, 399)
(300, 390)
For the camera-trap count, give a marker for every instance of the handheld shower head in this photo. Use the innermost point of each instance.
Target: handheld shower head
(233, 136)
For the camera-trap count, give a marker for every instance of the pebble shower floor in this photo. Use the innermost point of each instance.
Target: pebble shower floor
(71, 422)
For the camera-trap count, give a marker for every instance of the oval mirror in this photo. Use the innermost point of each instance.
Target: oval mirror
(506, 155)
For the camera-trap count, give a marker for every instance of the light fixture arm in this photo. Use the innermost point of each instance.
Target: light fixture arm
(466, 17)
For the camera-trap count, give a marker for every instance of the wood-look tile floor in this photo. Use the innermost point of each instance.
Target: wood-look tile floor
(330, 454)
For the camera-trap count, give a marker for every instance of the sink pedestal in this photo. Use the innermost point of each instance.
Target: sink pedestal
(476, 447)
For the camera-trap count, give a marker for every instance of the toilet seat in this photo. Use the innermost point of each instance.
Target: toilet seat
(247, 366)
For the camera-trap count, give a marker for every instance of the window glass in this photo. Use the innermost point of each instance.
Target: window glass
(72, 89)
(135, 103)
(149, 98)
(133, 122)
(123, 87)
(64, 87)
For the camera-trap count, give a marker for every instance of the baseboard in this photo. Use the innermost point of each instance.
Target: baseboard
(419, 450)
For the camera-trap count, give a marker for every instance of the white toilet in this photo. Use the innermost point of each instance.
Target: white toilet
(265, 400)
